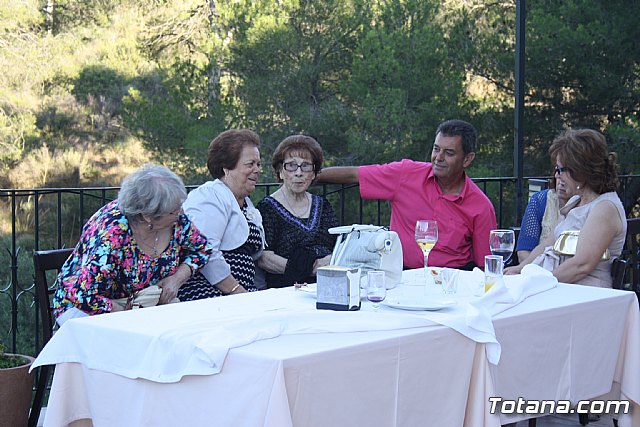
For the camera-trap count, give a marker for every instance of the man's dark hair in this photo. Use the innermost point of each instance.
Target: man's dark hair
(462, 129)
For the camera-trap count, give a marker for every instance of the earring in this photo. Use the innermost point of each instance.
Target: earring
(577, 187)
(150, 226)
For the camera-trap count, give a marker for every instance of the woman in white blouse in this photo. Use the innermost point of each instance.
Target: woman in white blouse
(223, 212)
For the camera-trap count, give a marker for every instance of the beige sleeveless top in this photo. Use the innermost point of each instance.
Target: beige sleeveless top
(551, 215)
(574, 219)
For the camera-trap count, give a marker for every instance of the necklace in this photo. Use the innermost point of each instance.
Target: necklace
(587, 197)
(293, 211)
(144, 241)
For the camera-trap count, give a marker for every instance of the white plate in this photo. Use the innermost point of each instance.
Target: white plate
(419, 304)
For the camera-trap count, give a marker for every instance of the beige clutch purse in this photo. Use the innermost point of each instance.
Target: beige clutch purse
(567, 243)
(147, 297)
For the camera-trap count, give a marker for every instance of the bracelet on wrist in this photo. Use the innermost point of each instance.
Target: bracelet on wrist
(235, 288)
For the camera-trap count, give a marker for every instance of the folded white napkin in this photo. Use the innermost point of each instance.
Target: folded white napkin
(502, 296)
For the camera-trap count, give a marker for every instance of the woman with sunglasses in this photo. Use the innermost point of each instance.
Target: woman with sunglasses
(584, 168)
(296, 222)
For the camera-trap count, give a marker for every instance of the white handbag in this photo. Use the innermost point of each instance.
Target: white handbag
(369, 247)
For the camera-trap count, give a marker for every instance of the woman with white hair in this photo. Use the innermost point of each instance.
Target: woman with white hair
(139, 240)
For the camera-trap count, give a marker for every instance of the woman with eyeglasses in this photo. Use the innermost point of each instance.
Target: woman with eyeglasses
(138, 241)
(296, 222)
(222, 210)
(584, 168)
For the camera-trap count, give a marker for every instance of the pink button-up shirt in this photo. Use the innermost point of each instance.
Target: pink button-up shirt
(464, 220)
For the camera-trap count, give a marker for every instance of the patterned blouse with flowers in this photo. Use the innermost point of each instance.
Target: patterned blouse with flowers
(107, 263)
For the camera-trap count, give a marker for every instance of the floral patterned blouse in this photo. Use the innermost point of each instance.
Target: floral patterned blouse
(108, 264)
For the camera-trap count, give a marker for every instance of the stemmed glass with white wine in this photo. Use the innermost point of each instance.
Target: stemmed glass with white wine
(502, 242)
(426, 235)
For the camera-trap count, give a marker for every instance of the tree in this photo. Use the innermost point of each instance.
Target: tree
(402, 83)
(581, 68)
(287, 61)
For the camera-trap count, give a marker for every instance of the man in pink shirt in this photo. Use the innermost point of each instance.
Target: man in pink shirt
(440, 190)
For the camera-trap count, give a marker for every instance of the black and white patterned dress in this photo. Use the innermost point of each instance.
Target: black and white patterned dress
(240, 261)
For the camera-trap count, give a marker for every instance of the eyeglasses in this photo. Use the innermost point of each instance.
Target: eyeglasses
(304, 167)
(558, 170)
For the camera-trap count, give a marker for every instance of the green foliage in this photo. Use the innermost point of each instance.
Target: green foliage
(16, 128)
(286, 65)
(7, 361)
(20, 15)
(99, 81)
(581, 67)
(402, 84)
(370, 80)
(624, 139)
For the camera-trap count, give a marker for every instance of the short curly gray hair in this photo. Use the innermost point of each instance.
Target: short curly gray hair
(152, 190)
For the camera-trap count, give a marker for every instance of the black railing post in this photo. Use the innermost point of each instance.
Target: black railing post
(13, 254)
(59, 213)
(518, 152)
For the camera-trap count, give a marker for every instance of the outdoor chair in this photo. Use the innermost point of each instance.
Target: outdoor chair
(44, 261)
(625, 269)
(631, 254)
(618, 272)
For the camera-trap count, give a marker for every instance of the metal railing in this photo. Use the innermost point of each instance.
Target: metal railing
(36, 219)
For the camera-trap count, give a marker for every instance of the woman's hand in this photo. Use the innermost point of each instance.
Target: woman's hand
(516, 269)
(272, 263)
(171, 284)
(320, 262)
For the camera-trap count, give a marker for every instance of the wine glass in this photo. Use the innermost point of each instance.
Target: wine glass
(376, 288)
(502, 242)
(426, 235)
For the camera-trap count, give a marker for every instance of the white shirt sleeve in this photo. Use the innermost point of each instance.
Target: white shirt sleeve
(214, 210)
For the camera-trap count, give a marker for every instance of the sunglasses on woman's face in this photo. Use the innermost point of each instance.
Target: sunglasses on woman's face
(558, 170)
(304, 166)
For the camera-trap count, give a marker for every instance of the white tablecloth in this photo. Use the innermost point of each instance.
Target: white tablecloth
(570, 342)
(169, 342)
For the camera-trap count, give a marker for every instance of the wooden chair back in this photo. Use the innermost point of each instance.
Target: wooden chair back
(43, 262)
